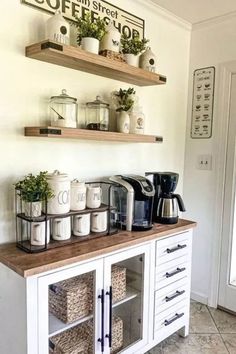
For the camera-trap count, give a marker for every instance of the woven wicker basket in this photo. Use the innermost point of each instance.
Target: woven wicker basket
(118, 282)
(72, 299)
(72, 341)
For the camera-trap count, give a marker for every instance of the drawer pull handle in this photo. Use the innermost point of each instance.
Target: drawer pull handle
(176, 317)
(176, 294)
(178, 270)
(174, 249)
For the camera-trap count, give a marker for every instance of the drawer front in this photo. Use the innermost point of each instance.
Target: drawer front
(172, 271)
(171, 316)
(173, 247)
(171, 295)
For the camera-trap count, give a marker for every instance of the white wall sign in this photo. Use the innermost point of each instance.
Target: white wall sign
(203, 101)
(124, 21)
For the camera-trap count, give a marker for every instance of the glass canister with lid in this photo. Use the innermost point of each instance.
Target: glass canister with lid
(97, 115)
(63, 110)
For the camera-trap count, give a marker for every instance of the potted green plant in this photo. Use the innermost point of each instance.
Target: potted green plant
(33, 190)
(123, 101)
(89, 32)
(132, 47)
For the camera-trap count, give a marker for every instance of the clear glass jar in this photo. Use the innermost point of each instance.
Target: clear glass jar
(63, 110)
(97, 115)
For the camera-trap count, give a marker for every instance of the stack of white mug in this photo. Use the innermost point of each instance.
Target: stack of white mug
(70, 196)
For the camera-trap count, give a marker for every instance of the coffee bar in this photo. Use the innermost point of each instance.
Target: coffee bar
(99, 260)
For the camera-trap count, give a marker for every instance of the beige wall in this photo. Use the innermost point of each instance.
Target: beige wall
(27, 84)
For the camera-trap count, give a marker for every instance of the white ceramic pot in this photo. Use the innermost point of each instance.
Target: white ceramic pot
(132, 59)
(99, 222)
(38, 233)
(33, 209)
(123, 122)
(81, 225)
(94, 197)
(77, 195)
(60, 184)
(90, 44)
(61, 229)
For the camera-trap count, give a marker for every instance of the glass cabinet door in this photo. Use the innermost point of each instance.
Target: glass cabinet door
(126, 300)
(70, 310)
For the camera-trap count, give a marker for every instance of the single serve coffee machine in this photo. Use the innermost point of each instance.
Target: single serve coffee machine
(132, 196)
(166, 203)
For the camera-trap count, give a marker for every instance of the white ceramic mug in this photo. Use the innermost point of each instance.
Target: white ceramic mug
(61, 229)
(94, 197)
(37, 233)
(99, 221)
(77, 195)
(81, 225)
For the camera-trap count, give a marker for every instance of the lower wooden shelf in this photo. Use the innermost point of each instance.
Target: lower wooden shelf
(85, 134)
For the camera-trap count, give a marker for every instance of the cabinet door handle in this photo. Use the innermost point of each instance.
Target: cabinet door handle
(109, 335)
(178, 270)
(176, 294)
(176, 317)
(101, 339)
(177, 248)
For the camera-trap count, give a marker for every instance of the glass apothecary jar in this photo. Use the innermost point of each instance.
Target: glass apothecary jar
(97, 115)
(63, 110)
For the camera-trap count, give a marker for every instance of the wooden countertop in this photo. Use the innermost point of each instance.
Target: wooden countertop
(31, 264)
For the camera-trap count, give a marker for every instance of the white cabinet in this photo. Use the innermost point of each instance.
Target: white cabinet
(126, 301)
(114, 318)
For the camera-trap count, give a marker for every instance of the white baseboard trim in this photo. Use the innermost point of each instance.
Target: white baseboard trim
(199, 297)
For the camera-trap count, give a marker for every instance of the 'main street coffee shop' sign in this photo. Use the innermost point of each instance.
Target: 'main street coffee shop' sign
(125, 22)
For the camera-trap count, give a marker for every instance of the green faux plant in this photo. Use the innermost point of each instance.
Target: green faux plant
(124, 99)
(34, 188)
(133, 45)
(87, 28)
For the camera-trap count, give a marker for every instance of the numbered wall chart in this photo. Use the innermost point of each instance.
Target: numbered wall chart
(203, 100)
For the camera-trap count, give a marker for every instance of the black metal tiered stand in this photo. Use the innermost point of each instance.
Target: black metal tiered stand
(24, 224)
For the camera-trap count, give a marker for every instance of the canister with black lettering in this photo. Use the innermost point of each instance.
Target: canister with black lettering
(60, 184)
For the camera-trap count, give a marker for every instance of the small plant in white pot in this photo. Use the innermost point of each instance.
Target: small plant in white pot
(33, 190)
(90, 33)
(132, 47)
(123, 101)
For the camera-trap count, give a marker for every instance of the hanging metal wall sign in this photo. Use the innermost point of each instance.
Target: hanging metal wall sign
(124, 21)
(203, 102)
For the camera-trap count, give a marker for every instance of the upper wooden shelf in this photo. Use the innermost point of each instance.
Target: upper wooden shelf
(84, 134)
(76, 58)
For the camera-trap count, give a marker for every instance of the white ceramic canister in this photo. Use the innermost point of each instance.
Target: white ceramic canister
(60, 184)
(61, 229)
(77, 195)
(38, 233)
(94, 196)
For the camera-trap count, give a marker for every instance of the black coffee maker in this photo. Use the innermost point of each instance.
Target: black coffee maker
(166, 203)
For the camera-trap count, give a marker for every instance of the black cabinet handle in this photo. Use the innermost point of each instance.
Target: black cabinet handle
(176, 317)
(176, 294)
(178, 270)
(109, 335)
(101, 339)
(174, 249)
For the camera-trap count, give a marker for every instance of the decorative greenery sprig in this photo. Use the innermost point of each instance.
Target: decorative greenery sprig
(87, 28)
(134, 45)
(34, 188)
(124, 99)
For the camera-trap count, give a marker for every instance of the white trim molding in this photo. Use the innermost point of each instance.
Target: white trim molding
(220, 146)
(199, 297)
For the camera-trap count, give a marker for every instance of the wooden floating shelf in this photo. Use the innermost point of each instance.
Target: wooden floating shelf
(85, 134)
(78, 59)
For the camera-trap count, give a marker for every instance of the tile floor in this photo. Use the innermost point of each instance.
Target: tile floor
(212, 331)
